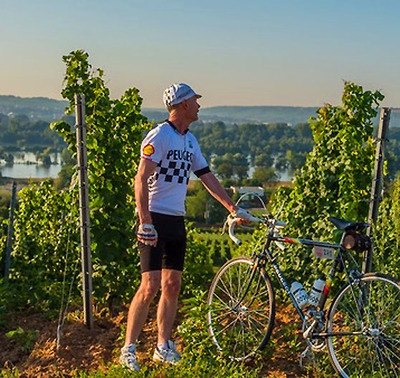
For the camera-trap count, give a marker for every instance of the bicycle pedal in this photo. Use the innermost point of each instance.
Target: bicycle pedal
(307, 353)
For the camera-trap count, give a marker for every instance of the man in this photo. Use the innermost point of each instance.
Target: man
(168, 154)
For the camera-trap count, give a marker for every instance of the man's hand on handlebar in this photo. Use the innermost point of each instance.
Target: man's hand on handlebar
(243, 216)
(239, 216)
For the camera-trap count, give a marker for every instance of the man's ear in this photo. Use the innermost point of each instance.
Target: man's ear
(184, 104)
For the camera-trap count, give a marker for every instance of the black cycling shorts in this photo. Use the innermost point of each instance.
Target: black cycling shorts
(169, 253)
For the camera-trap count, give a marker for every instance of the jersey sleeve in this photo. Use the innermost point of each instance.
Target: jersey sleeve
(199, 163)
(152, 147)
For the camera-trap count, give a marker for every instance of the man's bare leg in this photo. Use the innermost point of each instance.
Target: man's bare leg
(168, 304)
(139, 307)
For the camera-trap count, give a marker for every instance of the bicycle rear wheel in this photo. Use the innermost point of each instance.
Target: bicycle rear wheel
(366, 317)
(242, 309)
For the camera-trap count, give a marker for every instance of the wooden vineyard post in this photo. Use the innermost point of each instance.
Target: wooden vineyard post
(377, 183)
(81, 147)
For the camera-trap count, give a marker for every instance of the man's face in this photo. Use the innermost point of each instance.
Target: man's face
(192, 108)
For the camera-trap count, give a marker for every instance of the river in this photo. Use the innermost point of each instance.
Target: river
(26, 166)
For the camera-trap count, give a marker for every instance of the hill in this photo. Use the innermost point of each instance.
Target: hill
(37, 108)
(259, 114)
(245, 114)
(42, 108)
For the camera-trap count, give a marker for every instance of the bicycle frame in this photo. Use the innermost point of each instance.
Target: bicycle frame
(358, 325)
(338, 259)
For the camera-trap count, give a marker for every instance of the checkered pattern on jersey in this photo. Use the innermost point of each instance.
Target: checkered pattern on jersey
(175, 171)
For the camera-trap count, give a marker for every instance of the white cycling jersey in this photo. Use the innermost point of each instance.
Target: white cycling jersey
(176, 155)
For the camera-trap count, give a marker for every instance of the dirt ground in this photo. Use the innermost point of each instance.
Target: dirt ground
(92, 350)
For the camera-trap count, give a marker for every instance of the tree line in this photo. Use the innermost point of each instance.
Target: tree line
(20, 132)
(231, 149)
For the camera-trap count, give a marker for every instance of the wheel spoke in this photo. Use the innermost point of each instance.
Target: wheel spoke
(226, 291)
(227, 326)
(388, 338)
(255, 319)
(390, 352)
(379, 351)
(239, 291)
(351, 313)
(371, 357)
(239, 329)
(226, 305)
(258, 314)
(255, 326)
(251, 334)
(221, 315)
(230, 284)
(367, 306)
(258, 295)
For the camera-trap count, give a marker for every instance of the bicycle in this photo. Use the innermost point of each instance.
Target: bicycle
(360, 329)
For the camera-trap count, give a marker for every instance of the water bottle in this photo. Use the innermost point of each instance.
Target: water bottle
(316, 291)
(299, 293)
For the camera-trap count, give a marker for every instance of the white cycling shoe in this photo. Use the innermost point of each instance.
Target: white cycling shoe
(167, 356)
(128, 358)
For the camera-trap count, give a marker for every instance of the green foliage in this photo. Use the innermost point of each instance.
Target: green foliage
(3, 234)
(198, 269)
(230, 145)
(221, 248)
(67, 169)
(387, 234)
(203, 208)
(10, 373)
(20, 131)
(46, 226)
(25, 339)
(200, 357)
(292, 159)
(230, 164)
(336, 177)
(263, 175)
(392, 151)
(114, 135)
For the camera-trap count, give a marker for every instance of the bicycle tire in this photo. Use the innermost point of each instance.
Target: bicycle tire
(372, 310)
(240, 323)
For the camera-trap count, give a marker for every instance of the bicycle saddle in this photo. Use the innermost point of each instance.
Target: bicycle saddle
(343, 224)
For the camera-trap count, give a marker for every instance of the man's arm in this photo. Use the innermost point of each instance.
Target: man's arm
(146, 168)
(217, 191)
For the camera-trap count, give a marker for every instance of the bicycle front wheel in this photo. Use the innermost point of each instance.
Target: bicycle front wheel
(365, 317)
(241, 309)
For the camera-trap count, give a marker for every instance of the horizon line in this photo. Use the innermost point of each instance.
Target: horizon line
(395, 108)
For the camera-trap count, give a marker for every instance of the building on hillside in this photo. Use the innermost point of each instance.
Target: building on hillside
(252, 191)
(250, 200)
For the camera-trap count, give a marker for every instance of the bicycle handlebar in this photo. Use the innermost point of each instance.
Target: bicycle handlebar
(233, 221)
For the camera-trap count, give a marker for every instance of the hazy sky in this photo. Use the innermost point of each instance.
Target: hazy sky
(255, 52)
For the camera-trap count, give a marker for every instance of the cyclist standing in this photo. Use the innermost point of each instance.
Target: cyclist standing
(168, 154)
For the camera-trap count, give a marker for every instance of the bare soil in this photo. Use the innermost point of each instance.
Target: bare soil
(94, 350)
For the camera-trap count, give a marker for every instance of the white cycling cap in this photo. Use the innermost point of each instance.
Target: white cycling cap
(177, 93)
